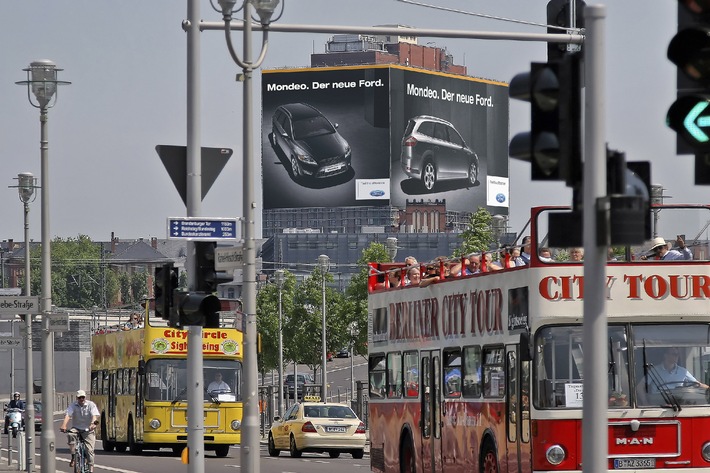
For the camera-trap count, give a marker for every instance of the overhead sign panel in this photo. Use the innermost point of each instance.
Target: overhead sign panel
(198, 228)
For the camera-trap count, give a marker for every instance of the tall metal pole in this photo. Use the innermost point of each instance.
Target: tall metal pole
(250, 430)
(48, 459)
(29, 374)
(280, 283)
(594, 425)
(195, 381)
(323, 261)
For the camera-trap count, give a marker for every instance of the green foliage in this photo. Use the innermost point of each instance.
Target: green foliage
(478, 235)
(80, 278)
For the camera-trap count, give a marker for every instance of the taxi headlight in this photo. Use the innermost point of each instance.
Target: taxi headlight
(555, 455)
(154, 423)
(236, 425)
(705, 451)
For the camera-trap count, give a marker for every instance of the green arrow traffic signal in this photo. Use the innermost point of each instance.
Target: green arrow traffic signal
(689, 116)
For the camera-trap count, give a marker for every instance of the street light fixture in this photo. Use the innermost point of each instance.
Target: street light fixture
(26, 185)
(324, 264)
(42, 82)
(265, 9)
(279, 276)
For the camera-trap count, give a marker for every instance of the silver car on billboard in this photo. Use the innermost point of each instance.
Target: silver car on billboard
(433, 150)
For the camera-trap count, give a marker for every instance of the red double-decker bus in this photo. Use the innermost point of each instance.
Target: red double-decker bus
(485, 372)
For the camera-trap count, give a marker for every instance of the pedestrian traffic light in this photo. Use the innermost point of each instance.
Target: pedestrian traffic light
(165, 280)
(689, 115)
(553, 145)
(208, 278)
(197, 308)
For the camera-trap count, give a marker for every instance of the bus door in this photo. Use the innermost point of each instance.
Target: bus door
(431, 411)
(517, 411)
(140, 407)
(111, 398)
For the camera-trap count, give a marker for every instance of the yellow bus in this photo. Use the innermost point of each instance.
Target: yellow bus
(139, 384)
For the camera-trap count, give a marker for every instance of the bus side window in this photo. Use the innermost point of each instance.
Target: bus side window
(472, 371)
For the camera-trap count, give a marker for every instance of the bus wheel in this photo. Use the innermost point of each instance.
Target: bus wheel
(406, 456)
(133, 446)
(108, 445)
(121, 447)
(489, 460)
(221, 451)
(177, 450)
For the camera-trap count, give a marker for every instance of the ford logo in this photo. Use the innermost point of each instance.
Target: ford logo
(500, 198)
(377, 193)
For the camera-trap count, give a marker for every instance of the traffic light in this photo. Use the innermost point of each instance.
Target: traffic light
(689, 115)
(165, 280)
(208, 278)
(553, 145)
(196, 308)
(628, 191)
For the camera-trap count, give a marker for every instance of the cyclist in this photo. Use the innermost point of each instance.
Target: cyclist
(84, 416)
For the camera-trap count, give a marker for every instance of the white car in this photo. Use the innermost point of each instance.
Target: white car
(318, 427)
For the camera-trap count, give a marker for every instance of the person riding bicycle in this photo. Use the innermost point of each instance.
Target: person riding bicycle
(84, 416)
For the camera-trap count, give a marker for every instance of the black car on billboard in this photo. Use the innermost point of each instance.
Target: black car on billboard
(309, 141)
(433, 150)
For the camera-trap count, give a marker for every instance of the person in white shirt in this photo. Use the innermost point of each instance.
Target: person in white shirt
(84, 417)
(218, 385)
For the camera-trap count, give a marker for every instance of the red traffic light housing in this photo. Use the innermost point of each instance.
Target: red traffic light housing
(196, 308)
(165, 280)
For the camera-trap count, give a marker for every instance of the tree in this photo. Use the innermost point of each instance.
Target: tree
(80, 277)
(267, 319)
(303, 327)
(478, 234)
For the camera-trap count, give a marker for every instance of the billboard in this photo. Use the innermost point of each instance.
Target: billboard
(382, 135)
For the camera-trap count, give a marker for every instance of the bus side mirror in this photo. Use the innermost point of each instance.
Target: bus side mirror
(141, 367)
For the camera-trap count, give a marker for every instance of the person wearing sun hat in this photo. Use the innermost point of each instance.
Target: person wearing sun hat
(659, 249)
(84, 416)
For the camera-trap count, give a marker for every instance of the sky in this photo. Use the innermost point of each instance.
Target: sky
(127, 63)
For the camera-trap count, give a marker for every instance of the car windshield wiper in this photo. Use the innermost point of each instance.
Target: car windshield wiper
(211, 394)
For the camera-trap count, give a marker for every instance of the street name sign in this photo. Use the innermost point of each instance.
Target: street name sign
(228, 258)
(198, 228)
(13, 305)
(11, 342)
(58, 322)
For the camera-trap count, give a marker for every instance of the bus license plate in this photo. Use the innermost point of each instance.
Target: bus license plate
(336, 430)
(634, 463)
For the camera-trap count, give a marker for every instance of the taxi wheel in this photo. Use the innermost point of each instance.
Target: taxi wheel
(293, 450)
(358, 454)
(334, 454)
(273, 452)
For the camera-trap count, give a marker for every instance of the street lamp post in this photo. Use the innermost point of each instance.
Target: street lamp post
(42, 82)
(280, 284)
(324, 263)
(26, 184)
(250, 425)
(391, 246)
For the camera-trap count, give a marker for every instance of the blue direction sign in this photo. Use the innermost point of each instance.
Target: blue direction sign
(198, 228)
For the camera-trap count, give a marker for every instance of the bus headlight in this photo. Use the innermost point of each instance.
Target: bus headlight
(236, 425)
(154, 423)
(706, 451)
(555, 455)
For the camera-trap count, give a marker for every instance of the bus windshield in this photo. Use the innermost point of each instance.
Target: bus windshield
(662, 365)
(166, 380)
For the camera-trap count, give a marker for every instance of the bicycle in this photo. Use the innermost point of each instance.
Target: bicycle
(81, 461)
